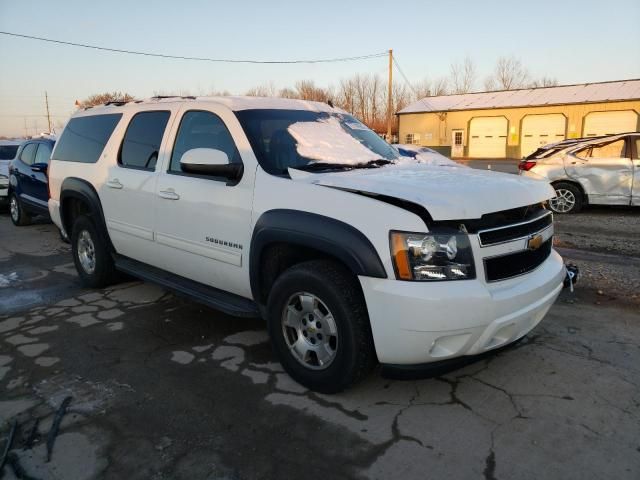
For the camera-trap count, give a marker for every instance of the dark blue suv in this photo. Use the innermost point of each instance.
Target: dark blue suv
(28, 182)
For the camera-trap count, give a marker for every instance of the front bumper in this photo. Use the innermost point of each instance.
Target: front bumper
(416, 323)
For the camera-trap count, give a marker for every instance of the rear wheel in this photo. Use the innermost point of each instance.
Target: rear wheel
(19, 216)
(319, 326)
(568, 198)
(91, 255)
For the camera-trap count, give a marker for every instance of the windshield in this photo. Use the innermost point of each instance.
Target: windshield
(8, 152)
(299, 139)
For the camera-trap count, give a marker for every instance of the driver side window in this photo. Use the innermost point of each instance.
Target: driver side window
(200, 129)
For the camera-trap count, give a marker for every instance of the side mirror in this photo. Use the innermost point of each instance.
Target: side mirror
(210, 161)
(39, 167)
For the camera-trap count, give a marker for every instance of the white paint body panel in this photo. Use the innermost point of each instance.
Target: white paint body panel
(411, 321)
(447, 193)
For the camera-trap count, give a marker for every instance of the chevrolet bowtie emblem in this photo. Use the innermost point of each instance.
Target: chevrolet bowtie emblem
(534, 242)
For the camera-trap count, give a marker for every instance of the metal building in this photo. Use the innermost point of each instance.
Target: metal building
(513, 123)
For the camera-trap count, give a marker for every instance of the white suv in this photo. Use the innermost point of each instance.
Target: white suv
(296, 212)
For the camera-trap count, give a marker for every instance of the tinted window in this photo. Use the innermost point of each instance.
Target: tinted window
(8, 152)
(84, 138)
(142, 141)
(43, 154)
(28, 153)
(202, 130)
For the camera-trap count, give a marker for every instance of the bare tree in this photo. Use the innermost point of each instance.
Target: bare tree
(265, 90)
(307, 90)
(545, 82)
(508, 74)
(463, 76)
(101, 98)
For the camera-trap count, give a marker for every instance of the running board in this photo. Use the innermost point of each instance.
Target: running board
(226, 302)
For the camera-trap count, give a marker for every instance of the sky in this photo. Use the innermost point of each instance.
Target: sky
(573, 41)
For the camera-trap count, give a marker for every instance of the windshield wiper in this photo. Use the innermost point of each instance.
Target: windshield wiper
(319, 166)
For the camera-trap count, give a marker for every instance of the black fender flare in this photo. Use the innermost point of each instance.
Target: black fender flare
(80, 189)
(324, 234)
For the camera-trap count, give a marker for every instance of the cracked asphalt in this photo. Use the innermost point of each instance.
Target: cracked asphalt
(163, 388)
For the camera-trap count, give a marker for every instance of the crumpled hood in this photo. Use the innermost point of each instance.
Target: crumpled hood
(447, 193)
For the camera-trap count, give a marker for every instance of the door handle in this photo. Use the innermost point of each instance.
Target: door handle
(169, 194)
(115, 183)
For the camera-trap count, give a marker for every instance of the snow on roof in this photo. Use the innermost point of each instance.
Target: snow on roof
(529, 97)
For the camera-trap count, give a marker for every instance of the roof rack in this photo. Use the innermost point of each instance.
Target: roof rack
(162, 97)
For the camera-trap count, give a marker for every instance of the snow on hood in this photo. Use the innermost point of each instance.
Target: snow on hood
(447, 193)
(326, 141)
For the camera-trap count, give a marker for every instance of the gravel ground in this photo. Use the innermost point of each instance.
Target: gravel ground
(605, 244)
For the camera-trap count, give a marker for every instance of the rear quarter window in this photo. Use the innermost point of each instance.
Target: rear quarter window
(84, 138)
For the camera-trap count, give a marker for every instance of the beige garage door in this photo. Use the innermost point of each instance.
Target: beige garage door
(609, 123)
(488, 137)
(538, 130)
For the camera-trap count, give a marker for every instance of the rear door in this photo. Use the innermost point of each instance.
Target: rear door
(605, 171)
(128, 192)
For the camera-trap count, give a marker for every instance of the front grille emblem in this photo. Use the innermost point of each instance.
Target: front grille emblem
(534, 242)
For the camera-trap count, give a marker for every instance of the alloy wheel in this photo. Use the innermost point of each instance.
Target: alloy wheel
(14, 209)
(86, 252)
(310, 331)
(563, 202)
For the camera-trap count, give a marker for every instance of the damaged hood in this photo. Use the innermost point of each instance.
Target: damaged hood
(447, 193)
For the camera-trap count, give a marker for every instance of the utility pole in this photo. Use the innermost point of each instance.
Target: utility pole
(389, 98)
(46, 101)
(26, 132)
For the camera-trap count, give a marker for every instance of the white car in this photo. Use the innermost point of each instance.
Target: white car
(598, 171)
(298, 213)
(8, 152)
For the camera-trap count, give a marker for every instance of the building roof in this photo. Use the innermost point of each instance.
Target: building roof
(530, 97)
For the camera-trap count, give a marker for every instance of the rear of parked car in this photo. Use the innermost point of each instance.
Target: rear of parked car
(8, 152)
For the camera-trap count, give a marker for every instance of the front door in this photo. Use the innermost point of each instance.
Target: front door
(40, 187)
(203, 222)
(605, 171)
(457, 143)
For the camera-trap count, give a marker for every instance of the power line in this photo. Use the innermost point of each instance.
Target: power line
(415, 92)
(199, 59)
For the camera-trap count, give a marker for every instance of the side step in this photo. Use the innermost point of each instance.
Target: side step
(226, 302)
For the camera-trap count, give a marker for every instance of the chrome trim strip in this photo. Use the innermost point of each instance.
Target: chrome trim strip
(539, 217)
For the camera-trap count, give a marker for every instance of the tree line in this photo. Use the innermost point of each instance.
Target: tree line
(365, 96)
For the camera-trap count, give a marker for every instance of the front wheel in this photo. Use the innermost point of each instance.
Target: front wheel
(91, 254)
(568, 198)
(319, 326)
(19, 216)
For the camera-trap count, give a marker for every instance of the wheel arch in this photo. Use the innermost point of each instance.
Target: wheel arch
(79, 197)
(283, 238)
(575, 183)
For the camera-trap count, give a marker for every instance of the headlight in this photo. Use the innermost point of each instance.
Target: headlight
(432, 256)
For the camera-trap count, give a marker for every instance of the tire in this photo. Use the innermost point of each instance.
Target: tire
(568, 198)
(332, 295)
(19, 216)
(63, 236)
(91, 254)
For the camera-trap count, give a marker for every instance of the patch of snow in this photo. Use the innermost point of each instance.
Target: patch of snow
(5, 280)
(326, 141)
